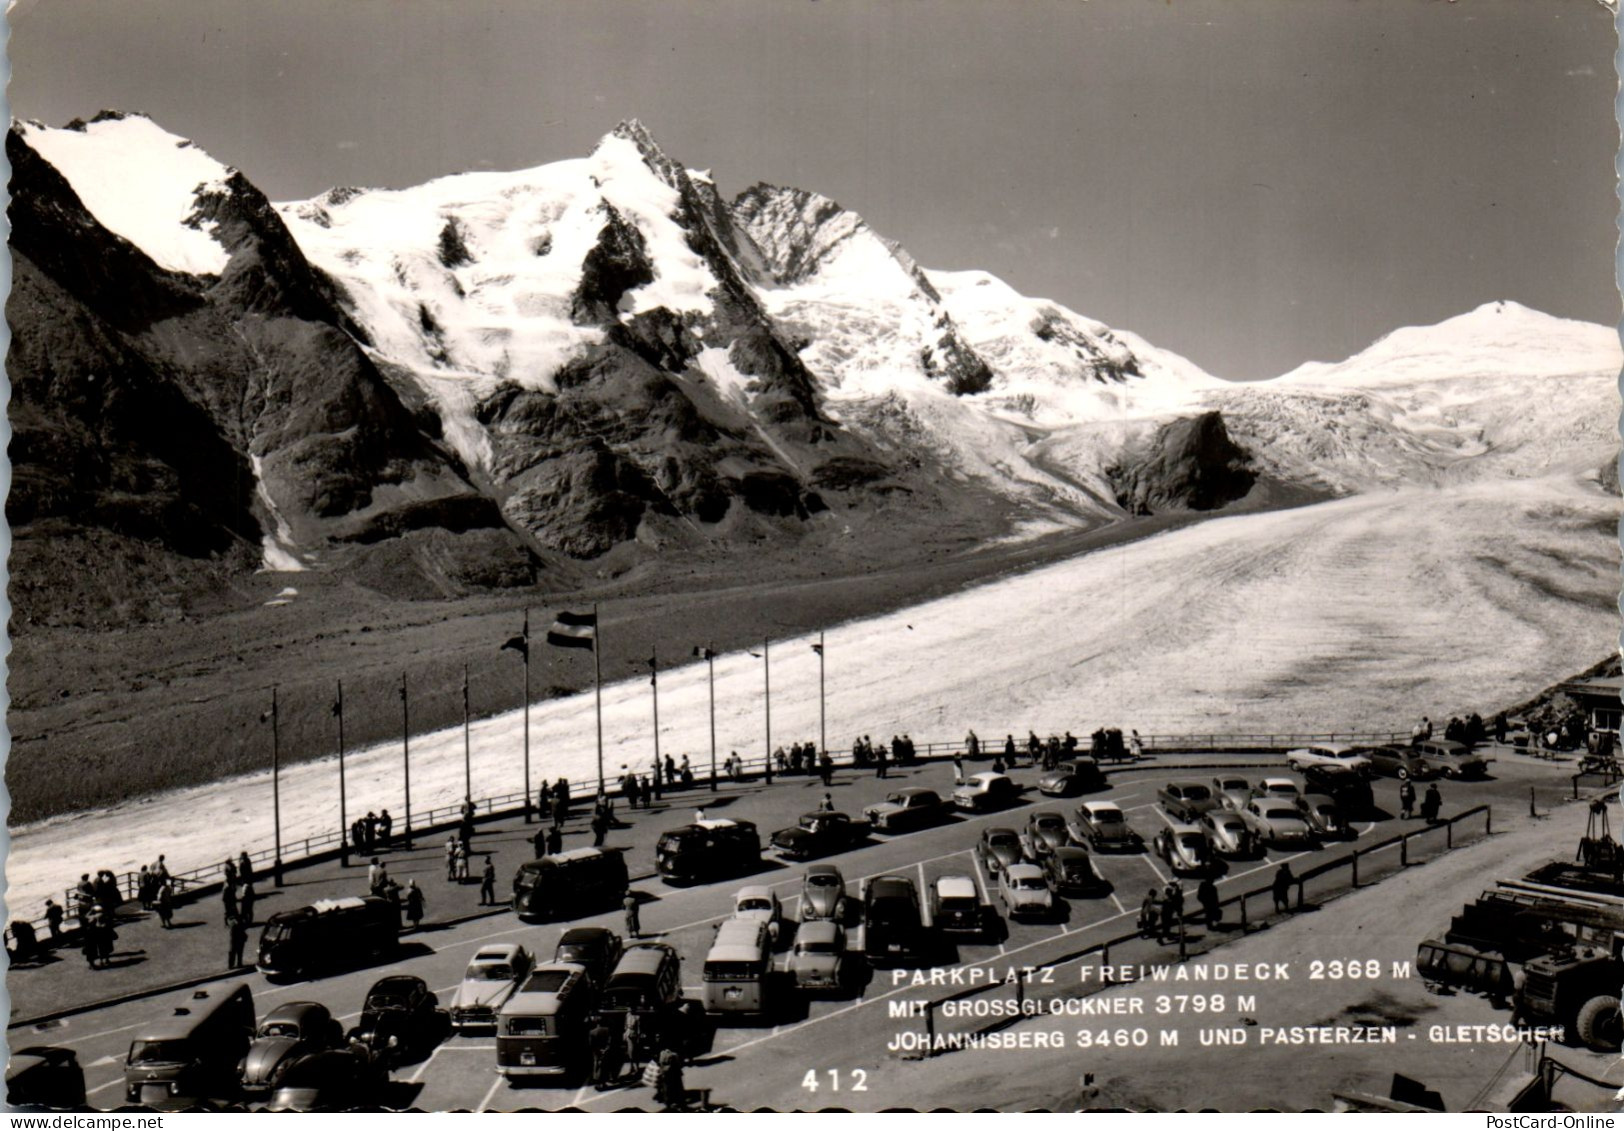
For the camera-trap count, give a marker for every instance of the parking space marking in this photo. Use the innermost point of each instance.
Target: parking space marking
(579, 1092)
(424, 1067)
(1118, 903)
(1151, 864)
(490, 1095)
(104, 1087)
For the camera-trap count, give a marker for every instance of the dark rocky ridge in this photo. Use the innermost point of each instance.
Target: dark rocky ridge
(1188, 464)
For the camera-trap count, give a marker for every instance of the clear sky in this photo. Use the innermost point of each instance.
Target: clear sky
(1252, 183)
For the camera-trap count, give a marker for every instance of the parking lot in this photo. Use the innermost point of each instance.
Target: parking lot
(846, 1030)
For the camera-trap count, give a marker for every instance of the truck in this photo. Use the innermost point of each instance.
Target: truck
(1578, 989)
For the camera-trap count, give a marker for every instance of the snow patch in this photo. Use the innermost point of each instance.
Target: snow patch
(279, 554)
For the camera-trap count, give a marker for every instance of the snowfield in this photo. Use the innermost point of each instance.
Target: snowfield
(1361, 613)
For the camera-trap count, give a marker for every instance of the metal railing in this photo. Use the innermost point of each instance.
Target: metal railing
(1027, 997)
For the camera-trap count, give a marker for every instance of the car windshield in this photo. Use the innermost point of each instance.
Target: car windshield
(822, 880)
(1196, 793)
(386, 1001)
(546, 981)
(1108, 816)
(279, 1029)
(1234, 783)
(895, 799)
(754, 905)
(491, 972)
(159, 1052)
(1275, 813)
(1028, 883)
(1003, 840)
(817, 946)
(1193, 841)
(1050, 823)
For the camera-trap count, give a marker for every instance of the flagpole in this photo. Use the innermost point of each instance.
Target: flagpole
(343, 812)
(467, 752)
(597, 679)
(767, 685)
(654, 682)
(276, 788)
(710, 660)
(527, 716)
(406, 752)
(823, 730)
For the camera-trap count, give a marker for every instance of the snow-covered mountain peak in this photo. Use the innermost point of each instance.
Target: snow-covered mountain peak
(141, 182)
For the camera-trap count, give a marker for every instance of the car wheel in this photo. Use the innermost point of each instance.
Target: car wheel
(1403, 773)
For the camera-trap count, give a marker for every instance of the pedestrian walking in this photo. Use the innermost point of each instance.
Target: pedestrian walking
(164, 901)
(450, 858)
(826, 769)
(414, 903)
(245, 903)
(228, 899)
(1136, 746)
(375, 876)
(1431, 804)
(600, 829)
(958, 769)
(634, 919)
(1406, 799)
(1206, 894)
(1283, 879)
(237, 934)
(555, 841)
(53, 919)
(228, 873)
(1150, 915)
(245, 868)
(487, 884)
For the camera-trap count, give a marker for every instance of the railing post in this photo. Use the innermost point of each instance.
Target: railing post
(1488, 818)
(1356, 867)
(1449, 834)
(1404, 851)
(930, 1029)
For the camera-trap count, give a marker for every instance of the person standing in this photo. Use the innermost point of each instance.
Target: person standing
(555, 841)
(462, 861)
(375, 876)
(237, 933)
(144, 889)
(880, 761)
(1283, 879)
(673, 1092)
(386, 825)
(634, 918)
(972, 746)
(826, 769)
(1206, 894)
(1431, 804)
(600, 1039)
(165, 904)
(958, 769)
(487, 884)
(414, 903)
(1150, 915)
(827, 805)
(632, 1038)
(245, 867)
(600, 829)
(53, 919)
(228, 898)
(1406, 798)
(450, 858)
(245, 903)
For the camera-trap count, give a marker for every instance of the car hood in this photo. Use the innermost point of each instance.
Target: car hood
(790, 836)
(1021, 897)
(264, 1056)
(822, 903)
(472, 994)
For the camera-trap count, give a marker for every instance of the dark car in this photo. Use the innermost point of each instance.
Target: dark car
(998, 848)
(1452, 759)
(289, 1032)
(336, 1080)
(955, 905)
(400, 1019)
(1400, 762)
(820, 834)
(707, 850)
(1185, 849)
(1079, 775)
(1045, 832)
(596, 948)
(45, 1076)
(1349, 788)
(1070, 871)
(1187, 800)
(906, 809)
(893, 923)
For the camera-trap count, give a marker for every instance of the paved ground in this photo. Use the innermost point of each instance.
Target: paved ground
(842, 1034)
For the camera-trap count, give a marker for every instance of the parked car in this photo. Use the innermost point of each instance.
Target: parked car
(759, 902)
(1186, 800)
(823, 894)
(1232, 792)
(44, 1076)
(1400, 762)
(290, 1031)
(1185, 849)
(1325, 819)
(1103, 825)
(820, 834)
(1074, 776)
(1276, 821)
(1452, 759)
(1284, 788)
(1332, 754)
(1045, 832)
(817, 960)
(998, 848)
(335, 1080)
(400, 1019)
(955, 905)
(1070, 871)
(1228, 833)
(493, 974)
(1024, 892)
(984, 791)
(894, 930)
(905, 809)
(1350, 789)
(595, 948)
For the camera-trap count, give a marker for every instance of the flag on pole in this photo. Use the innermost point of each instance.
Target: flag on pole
(336, 708)
(818, 648)
(520, 644)
(653, 669)
(574, 630)
(703, 653)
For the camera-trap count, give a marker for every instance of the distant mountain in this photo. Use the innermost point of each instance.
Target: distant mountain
(588, 365)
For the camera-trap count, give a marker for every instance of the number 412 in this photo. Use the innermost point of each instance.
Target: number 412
(859, 1080)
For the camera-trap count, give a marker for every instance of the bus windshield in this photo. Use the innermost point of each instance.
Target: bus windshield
(160, 1052)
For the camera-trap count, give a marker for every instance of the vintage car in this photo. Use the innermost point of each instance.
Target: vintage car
(1070, 871)
(1185, 849)
(334, 1080)
(1325, 817)
(1228, 833)
(998, 848)
(955, 905)
(823, 894)
(817, 960)
(290, 1031)
(1045, 832)
(1232, 791)
(758, 902)
(44, 1076)
(894, 931)
(1277, 821)
(1102, 825)
(596, 948)
(1332, 754)
(1452, 759)
(1350, 789)
(493, 974)
(400, 1019)
(1073, 776)
(1186, 800)
(1024, 892)
(1401, 762)
(984, 791)
(905, 809)
(1284, 788)
(820, 834)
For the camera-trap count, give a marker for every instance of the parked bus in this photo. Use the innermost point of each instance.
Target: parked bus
(706, 850)
(738, 967)
(328, 933)
(562, 885)
(542, 1029)
(193, 1053)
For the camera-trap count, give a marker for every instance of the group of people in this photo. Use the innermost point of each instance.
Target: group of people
(865, 753)
(1162, 912)
(640, 1051)
(237, 897)
(1431, 804)
(1470, 731)
(371, 833)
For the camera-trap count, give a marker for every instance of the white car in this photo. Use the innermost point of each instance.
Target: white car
(760, 903)
(1283, 788)
(493, 974)
(1278, 821)
(1024, 892)
(1333, 755)
(984, 791)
